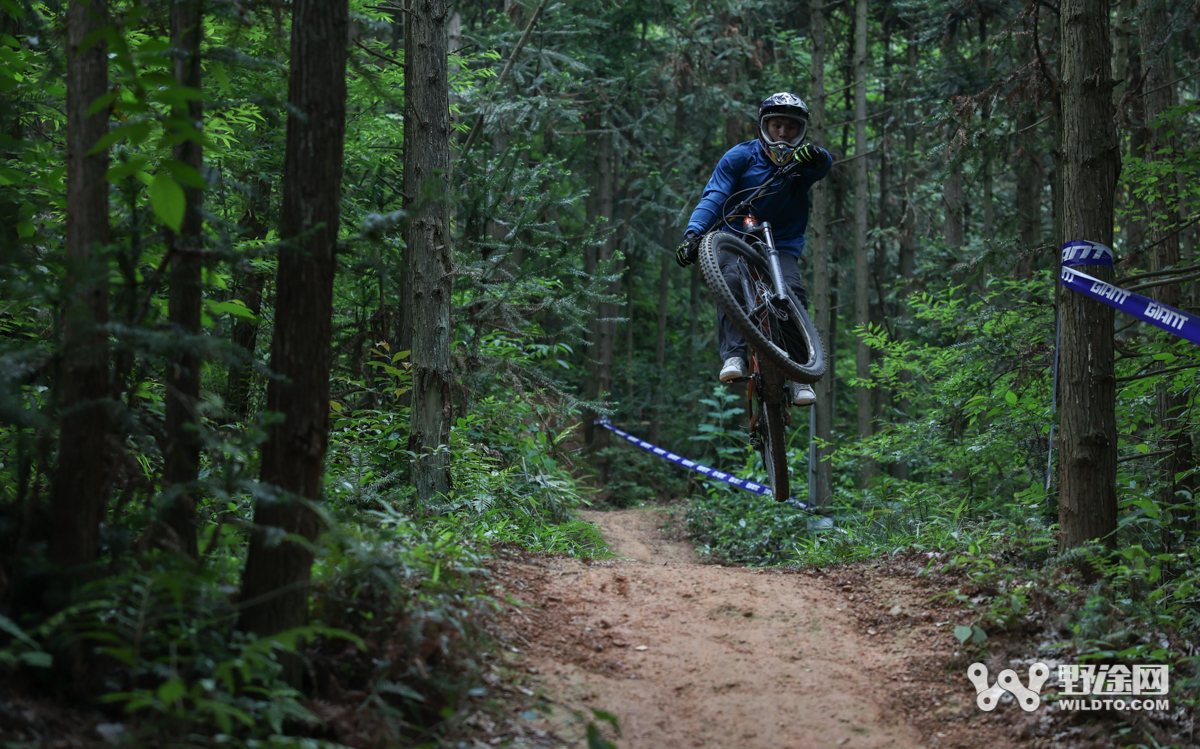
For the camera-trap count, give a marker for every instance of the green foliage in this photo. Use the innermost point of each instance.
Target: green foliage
(1165, 181)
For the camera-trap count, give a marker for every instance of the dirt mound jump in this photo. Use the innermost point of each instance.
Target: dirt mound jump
(691, 655)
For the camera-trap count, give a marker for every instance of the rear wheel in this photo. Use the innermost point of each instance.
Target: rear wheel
(779, 336)
(772, 414)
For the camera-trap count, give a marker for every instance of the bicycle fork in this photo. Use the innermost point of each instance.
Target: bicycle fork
(751, 226)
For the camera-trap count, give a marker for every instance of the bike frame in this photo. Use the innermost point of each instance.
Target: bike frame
(752, 289)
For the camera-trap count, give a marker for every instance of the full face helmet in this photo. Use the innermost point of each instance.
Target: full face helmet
(787, 105)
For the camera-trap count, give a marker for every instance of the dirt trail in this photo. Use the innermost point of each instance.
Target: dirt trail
(693, 655)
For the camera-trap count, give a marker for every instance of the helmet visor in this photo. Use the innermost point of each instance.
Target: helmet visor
(801, 129)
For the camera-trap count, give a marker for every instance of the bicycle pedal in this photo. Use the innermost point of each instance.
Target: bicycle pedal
(736, 380)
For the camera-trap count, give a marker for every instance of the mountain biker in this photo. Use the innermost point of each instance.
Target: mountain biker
(782, 125)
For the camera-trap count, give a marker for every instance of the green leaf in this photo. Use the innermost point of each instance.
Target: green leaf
(166, 198)
(9, 626)
(1011, 397)
(36, 659)
(594, 739)
(218, 72)
(977, 634)
(1143, 448)
(232, 307)
(185, 174)
(962, 632)
(25, 229)
(171, 691)
(136, 132)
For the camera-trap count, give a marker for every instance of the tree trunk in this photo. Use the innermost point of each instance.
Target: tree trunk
(1028, 160)
(821, 494)
(907, 260)
(77, 501)
(605, 328)
(274, 584)
(629, 321)
(1128, 68)
(1158, 97)
(590, 255)
(953, 229)
(660, 339)
(1088, 451)
(426, 182)
(245, 332)
(862, 271)
(182, 378)
(989, 208)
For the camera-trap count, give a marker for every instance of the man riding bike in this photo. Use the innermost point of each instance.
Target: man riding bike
(782, 125)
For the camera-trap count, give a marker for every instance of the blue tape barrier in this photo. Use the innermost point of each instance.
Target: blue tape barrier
(712, 473)
(1080, 252)
(1083, 252)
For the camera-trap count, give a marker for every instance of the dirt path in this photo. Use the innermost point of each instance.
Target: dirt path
(693, 655)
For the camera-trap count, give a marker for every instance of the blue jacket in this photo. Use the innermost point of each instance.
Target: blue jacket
(746, 166)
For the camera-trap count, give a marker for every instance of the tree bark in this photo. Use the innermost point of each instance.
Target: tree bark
(953, 229)
(590, 255)
(1159, 96)
(862, 271)
(907, 260)
(989, 208)
(660, 338)
(245, 332)
(426, 182)
(182, 378)
(1028, 175)
(77, 500)
(821, 494)
(605, 328)
(274, 584)
(1128, 64)
(1088, 451)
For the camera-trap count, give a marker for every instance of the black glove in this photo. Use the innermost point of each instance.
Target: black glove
(689, 250)
(809, 155)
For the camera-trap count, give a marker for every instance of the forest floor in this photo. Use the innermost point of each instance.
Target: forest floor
(686, 654)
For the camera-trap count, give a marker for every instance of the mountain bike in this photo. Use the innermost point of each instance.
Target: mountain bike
(783, 343)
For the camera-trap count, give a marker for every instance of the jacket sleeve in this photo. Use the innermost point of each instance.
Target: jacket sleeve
(720, 186)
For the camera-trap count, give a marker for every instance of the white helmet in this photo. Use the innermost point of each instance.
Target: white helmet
(787, 105)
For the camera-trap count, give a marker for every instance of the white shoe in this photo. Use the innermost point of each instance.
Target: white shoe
(802, 394)
(735, 368)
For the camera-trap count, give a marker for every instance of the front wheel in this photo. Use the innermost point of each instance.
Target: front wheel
(769, 332)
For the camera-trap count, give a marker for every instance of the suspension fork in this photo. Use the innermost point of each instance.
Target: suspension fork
(750, 224)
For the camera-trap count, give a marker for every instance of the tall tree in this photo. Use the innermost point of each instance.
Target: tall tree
(1090, 161)
(431, 269)
(660, 337)
(77, 502)
(182, 378)
(818, 228)
(1028, 167)
(277, 571)
(250, 289)
(862, 270)
(605, 327)
(1158, 97)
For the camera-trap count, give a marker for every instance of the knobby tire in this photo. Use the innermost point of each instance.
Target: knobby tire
(773, 351)
(771, 417)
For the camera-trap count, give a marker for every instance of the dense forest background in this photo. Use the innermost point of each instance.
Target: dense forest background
(306, 306)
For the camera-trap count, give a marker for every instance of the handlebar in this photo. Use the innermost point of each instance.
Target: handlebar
(743, 207)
